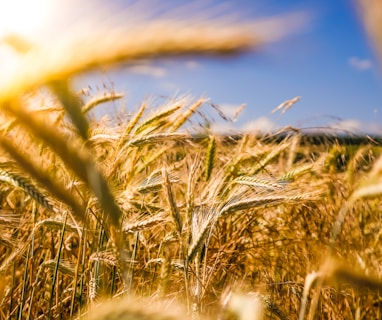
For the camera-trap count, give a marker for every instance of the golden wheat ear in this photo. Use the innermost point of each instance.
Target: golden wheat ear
(210, 158)
(24, 183)
(106, 97)
(55, 188)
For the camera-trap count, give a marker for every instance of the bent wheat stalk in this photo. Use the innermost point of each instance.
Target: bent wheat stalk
(59, 58)
(76, 158)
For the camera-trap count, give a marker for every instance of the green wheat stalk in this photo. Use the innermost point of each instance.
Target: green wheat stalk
(210, 158)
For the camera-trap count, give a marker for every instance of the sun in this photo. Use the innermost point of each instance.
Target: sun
(24, 17)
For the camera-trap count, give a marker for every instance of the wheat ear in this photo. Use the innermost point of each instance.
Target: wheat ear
(143, 224)
(201, 228)
(22, 182)
(233, 206)
(158, 137)
(45, 179)
(157, 118)
(152, 183)
(184, 116)
(259, 182)
(296, 172)
(105, 257)
(106, 97)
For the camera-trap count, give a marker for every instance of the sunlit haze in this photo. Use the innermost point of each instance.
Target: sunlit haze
(24, 17)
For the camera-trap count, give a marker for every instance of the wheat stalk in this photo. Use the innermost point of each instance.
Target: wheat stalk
(72, 104)
(77, 159)
(237, 204)
(171, 201)
(259, 182)
(371, 14)
(65, 269)
(44, 178)
(158, 118)
(59, 59)
(157, 137)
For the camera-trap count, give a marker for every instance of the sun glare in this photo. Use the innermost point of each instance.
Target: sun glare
(24, 17)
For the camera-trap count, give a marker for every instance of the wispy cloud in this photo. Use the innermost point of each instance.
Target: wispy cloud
(350, 125)
(260, 125)
(148, 69)
(356, 126)
(265, 125)
(223, 128)
(360, 64)
(192, 64)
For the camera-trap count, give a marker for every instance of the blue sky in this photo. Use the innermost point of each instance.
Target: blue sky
(329, 63)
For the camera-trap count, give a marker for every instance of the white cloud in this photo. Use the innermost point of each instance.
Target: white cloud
(360, 64)
(347, 125)
(223, 128)
(357, 127)
(260, 125)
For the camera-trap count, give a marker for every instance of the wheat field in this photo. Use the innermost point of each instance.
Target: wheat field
(150, 215)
